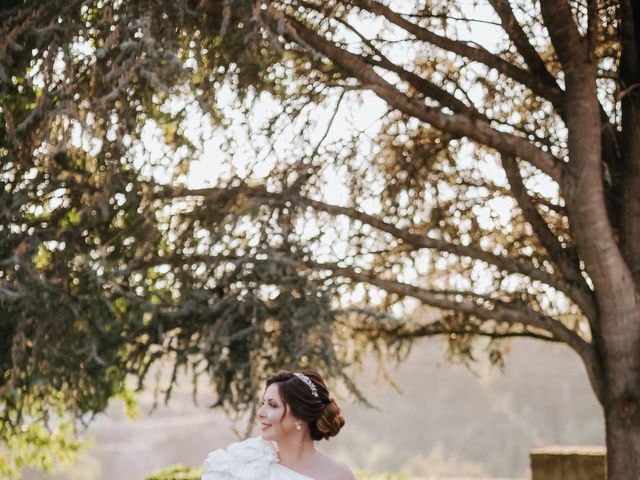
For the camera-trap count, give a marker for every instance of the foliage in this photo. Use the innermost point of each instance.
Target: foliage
(176, 472)
(498, 186)
(39, 447)
(102, 271)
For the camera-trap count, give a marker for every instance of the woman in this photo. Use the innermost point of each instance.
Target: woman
(295, 411)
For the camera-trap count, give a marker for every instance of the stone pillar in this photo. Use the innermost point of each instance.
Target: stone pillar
(568, 463)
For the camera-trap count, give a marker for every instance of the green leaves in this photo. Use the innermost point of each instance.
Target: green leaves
(321, 230)
(176, 472)
(40, 447)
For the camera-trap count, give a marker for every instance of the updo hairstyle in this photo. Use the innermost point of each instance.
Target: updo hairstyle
(321, 413)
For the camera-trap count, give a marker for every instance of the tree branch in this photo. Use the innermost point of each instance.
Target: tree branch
(630, 40)
(563, 32)
(433, 328)
(455, 124)
(521, 40)
(506, 312)
(478, 54)
(309, 170)
(537, 66)
(418, 241)
(566, 260)
(592, 27)
(502, 311)
(424, 86)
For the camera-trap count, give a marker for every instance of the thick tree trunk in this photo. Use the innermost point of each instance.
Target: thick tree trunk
(616, 330)
(621, 335)
(622, 416)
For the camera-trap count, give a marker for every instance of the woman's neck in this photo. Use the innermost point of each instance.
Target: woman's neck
(295, 450)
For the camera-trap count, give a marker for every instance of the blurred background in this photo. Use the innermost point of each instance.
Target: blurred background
(447, 420)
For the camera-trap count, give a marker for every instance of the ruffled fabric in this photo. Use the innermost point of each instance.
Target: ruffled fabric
(250, 459)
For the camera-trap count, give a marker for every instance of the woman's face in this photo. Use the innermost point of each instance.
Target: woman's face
(274, 422)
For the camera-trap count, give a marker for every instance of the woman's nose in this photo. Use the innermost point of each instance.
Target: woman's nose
(260, 412)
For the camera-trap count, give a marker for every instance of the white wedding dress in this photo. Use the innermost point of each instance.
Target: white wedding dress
(251, 459)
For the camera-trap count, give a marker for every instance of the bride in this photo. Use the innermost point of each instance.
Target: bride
(295, 411)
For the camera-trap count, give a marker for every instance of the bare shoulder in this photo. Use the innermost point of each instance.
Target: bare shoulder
(346, 473)
(343, 472)
(336, 470)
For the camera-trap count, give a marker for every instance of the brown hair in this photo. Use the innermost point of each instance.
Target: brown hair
(321, 413)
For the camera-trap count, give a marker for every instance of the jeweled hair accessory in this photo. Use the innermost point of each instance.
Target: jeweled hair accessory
(310, 384)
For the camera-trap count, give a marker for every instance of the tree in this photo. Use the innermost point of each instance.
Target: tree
(500, 186)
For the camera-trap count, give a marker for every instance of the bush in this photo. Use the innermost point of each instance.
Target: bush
(176, 472)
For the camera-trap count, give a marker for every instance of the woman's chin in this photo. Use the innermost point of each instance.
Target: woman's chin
(267, 434)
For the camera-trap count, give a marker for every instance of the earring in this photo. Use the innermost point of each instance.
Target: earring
(298, 426)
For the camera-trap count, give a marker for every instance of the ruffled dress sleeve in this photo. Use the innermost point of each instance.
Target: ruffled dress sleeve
(250, 459)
